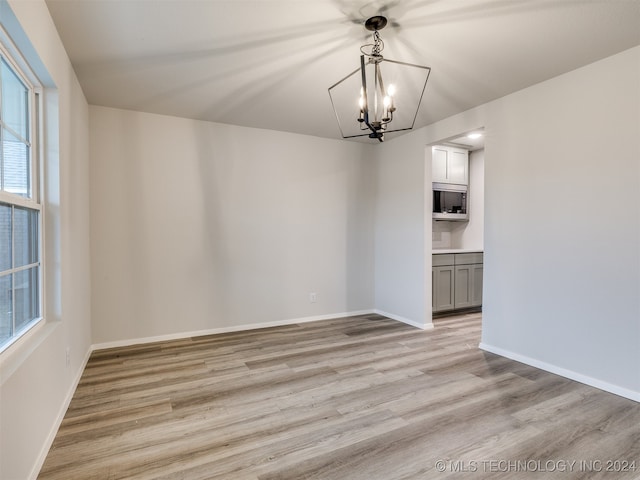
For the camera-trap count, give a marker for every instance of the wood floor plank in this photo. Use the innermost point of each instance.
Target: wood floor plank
(363, 397)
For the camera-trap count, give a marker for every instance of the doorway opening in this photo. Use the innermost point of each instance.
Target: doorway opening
(455, 203)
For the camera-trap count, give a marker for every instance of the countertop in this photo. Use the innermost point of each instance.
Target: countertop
(435, 251)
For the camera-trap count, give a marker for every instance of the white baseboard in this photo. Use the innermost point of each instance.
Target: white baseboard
(253, 326)
(563, 372)
(61, 413)
(235, 328)
(421, 326)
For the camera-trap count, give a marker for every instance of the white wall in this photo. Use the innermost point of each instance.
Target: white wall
(400, 231)
(471, 234)
(198, 226)
(36, 383)
(557, 292)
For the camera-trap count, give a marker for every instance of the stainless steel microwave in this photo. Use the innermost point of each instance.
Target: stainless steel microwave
(450, 202)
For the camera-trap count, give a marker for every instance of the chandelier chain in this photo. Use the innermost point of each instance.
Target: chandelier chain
(376, 47)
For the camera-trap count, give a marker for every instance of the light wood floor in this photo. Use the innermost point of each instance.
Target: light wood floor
(358, 398)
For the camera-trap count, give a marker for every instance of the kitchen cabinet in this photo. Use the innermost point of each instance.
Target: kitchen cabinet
(456, 281)
(450, 165)
(462, 286)
(443, 283)
(477, 272)
(468, 286)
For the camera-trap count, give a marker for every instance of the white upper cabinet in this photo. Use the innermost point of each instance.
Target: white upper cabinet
(450, 165)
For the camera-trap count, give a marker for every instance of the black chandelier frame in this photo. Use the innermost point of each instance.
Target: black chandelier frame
(375, 121)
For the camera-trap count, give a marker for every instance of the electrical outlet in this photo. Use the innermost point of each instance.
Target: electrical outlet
(68, 356)
(313, 297)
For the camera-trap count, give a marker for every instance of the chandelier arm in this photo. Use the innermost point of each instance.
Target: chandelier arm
(365, 103)
(428, 69)
(343, 79)
(376, 93)
(383, 93)
(365, 107)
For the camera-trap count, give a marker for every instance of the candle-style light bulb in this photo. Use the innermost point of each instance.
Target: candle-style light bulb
(391, 91)
(387, 105)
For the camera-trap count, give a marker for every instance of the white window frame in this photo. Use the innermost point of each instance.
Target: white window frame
(13, 58)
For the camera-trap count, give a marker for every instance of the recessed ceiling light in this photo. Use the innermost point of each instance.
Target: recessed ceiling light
(473, 136)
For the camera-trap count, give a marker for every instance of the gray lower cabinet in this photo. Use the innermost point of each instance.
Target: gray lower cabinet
(443, 288)
(456, 281)
(476, 278)
(463, 287)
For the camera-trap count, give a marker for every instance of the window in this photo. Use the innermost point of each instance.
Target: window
(20, 209)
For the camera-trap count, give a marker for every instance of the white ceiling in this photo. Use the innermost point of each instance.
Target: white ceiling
(268, 63)
(470, 143)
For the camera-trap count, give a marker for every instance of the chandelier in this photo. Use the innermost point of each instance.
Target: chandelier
(370, 102)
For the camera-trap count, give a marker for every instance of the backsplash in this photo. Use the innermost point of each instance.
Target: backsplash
(441, 235)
